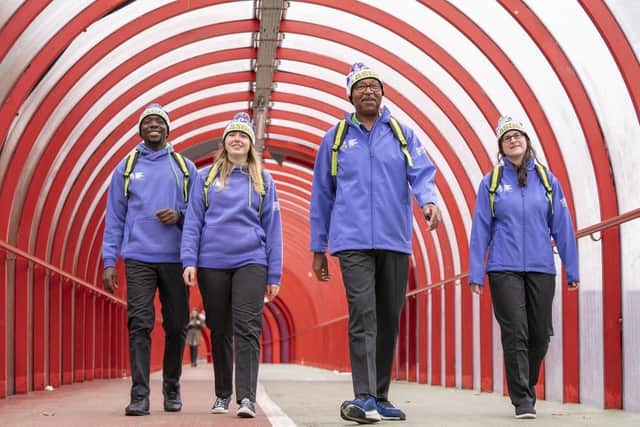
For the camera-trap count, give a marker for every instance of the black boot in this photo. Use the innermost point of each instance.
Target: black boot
(172, 400)
(137, 407)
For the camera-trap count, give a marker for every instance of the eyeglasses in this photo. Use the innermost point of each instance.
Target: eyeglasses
(373, 87)
(515, 135)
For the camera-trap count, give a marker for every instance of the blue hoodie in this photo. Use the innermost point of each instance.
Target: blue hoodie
(519, 237)
(156, 183)
(368, 205)
(228, 233)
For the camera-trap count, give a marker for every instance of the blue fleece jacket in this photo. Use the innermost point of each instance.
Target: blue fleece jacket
(519, 237)
(368, 204)
(228, 233)
(131, 224)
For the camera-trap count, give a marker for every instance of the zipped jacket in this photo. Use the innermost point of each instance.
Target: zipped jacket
(131, 226)
(519, 237)
(368, 204)
(229, 233)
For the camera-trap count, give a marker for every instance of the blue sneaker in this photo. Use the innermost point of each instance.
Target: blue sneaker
(361, 410)
(389, 412)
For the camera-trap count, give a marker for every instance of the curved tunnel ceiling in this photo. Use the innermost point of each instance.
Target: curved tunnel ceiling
(75, 78)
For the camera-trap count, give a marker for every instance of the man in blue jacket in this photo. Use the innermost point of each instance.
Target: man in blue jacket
(146, 203)
(361, 208)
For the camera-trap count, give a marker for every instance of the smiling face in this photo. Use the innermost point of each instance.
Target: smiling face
(366, 96)
(153, 131)
(237, 145)
(513, 146)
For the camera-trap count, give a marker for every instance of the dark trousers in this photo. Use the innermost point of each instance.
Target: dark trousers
(375, 282)
(194, 354)
(522, 305)
(142, 281)
(233, 302)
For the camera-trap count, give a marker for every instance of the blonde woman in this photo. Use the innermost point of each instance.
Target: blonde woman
(232, 242)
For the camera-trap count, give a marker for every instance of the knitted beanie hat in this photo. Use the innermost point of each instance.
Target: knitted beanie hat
(240, 123)
(358, 72)
(154, 110)
(505, 124)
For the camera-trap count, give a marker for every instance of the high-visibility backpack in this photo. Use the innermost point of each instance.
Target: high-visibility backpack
(133, 158)
(496, 177)
(341, 132)
(211, 176)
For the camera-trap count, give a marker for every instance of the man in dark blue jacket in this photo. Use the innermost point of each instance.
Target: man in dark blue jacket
(361, 208)
(147, 200)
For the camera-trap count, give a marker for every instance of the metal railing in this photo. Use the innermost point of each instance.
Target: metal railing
(53, 269)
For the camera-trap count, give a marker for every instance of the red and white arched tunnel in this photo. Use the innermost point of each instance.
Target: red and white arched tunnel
(76, 74)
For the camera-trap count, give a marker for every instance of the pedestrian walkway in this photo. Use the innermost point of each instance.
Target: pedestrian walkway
(288, 395)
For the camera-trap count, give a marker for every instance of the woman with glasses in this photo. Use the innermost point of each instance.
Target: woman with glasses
(232, 241)
(519, 208)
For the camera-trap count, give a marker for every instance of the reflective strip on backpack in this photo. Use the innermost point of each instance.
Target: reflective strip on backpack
(496, 176)
(131, 162)
(341, 131)
(211, 176)
(544, 177)
(185, 174)
(397, 131)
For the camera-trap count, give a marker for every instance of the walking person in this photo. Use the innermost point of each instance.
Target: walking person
(365, 171)
(519, 208)
(147, 199)
(232, 242)
(194, 335)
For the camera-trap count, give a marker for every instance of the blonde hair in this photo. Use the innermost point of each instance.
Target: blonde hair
(222, 167)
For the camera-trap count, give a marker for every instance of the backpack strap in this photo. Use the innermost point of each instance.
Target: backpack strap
(132, 158)
(338, 139)
(496, 176)
(263, 192)
(543, 173)
(211, 176)
(397, 131)
(185, 174)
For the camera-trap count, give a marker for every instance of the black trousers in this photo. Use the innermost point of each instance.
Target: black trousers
(522, 304)
(375, 282)
(142, 281)
(233, 302)
(194, 354)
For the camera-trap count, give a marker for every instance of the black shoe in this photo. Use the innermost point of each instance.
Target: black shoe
(172, 401)
(525, 413)
(137, 407)
(246, 409)
(221, 406)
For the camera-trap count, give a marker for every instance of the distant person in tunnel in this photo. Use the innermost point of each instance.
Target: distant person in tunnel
(519, 208)
(147, 200)
(194, 334)
(232, 242)
(366, 168)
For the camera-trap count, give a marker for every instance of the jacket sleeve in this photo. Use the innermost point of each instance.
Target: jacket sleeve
(422, 174)
(480, 235)
(193, 223)
(115, 218)
(323, 195)
(563, 233)
(272, 225)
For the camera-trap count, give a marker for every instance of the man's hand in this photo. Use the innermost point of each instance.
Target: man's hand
(110, 279)
(189, 276)
(476, 289)
(432, 215)
(573, 286)
(271, 291)
(168, 216)
(320, 266)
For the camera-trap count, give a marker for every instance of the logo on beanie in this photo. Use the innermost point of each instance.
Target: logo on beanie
(241, 122)
(358, 72)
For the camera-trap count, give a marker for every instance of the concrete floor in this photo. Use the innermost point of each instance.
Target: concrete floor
(288, 395)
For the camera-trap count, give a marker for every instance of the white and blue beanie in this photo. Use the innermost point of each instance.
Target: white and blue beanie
(241, 122)
(358, 72)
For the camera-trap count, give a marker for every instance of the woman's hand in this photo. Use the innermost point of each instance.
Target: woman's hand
(189, 276)
(574, 286)
(476, 289)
